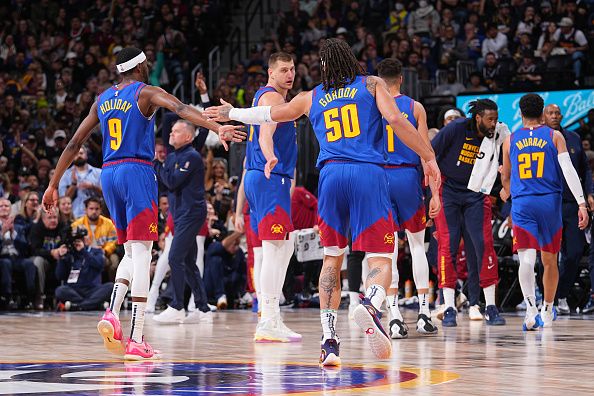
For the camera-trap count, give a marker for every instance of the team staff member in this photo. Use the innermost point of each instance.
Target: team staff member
(456, 147)
(183, 175)
(572, 239)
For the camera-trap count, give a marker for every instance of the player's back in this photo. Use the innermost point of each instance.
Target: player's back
(535, 168)
(347, 123)
(127, 133)
(284, 139)
(397, 152)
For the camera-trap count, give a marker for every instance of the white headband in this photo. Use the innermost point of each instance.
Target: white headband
(452, 112)
(132, 63)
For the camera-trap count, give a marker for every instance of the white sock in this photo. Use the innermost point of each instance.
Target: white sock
(424, 304)
(137, 323)
(449, 296)
(160, 272)
(285, 252)
(354, 299)
(420, 265)
(377, 295)
(547, 307)
(117, 297)
(269, 305)
(141, 259)
(328, 318)
(257, 268)
(272, 275)
(200, 255)
(489, 292)
(392, 302)
(124, 271)
(526, 275)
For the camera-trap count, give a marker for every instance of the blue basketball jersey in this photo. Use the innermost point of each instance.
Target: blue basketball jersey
(285, 144)
(399, 153)
(535, 168)
(347, 124)
(127, 133)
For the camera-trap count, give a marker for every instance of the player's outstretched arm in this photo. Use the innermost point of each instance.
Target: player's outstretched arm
(506, 170)
(267, 132)
(258, 115)
(160, 98)
(50, 197)
(572, 178)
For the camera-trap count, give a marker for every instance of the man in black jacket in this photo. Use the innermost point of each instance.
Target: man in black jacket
(47, 247)
(183, 175)
(80, 273)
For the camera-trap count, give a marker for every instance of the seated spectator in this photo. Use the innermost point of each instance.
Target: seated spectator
(475, 83)
(495, 42)
(451, 87)
(424, 21)
(24, 191)
(81, 181)
(79, 271)
(102, 234)
(450, 48)
(11, 261)
(47, 247)
(24, 220)
(224, 270)
(587, 128)
(528, 77)
(546, 42)
(574, 43)
(65, 211)
(492, 72)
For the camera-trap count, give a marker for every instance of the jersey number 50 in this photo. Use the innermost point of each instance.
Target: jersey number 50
(344, 124)
(525, 162)
(115, 133)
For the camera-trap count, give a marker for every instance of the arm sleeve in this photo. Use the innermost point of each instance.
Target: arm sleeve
(571, 177)
(254, 115)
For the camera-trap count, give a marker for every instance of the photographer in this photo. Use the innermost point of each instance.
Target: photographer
(79, 271)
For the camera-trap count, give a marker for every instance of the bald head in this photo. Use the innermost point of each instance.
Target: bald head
(553, 116)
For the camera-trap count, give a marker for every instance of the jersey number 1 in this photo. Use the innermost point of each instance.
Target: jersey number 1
(115, 133)
(346, 124)
(525, 162)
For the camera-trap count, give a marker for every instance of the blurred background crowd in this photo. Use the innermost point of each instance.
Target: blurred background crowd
(56, 56)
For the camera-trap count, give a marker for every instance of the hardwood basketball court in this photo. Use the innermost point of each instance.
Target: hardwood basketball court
(61, 353)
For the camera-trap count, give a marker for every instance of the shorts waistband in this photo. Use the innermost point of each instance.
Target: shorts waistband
(333, 161)
(399, 166)
(124, 160)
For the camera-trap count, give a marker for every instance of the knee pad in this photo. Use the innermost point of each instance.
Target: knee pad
(334, 251)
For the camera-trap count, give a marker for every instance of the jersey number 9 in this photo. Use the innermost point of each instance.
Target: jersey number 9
(344, 124)
(525, 162)
(115, 133)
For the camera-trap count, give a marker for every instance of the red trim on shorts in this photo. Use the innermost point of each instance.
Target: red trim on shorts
(331, 237)
(124, 160)
(555, 245)
(377, 238)
(143, 227)
(523, 239)
(416, 223)
(275, 226)
(399, 166)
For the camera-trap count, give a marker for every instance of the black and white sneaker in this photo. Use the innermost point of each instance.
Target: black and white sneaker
(398, 329)
(425, 325)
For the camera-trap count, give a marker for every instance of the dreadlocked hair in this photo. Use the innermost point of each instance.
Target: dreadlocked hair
(339, 65)
(480, 105)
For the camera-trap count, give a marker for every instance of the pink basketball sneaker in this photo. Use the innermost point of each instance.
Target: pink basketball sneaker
(140, 351)
(110, 329)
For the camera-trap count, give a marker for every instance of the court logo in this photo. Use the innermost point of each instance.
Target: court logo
(199, 378)
(153, 228)
(389, 239)
(277, 229)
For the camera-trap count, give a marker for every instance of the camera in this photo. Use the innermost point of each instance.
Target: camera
(71, 236)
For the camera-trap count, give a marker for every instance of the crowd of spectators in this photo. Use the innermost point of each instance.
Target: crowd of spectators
(56, 56)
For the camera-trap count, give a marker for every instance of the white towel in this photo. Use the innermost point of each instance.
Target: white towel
(484, 172)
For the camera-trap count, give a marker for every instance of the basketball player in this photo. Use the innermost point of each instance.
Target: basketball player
(126, 115)
(346, 111)
(535, 159)
(408, 206)
(269, 198)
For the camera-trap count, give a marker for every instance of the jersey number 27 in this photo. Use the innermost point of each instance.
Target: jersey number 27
(526, 162)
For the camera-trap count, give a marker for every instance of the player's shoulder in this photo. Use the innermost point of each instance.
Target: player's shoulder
(271, 97)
